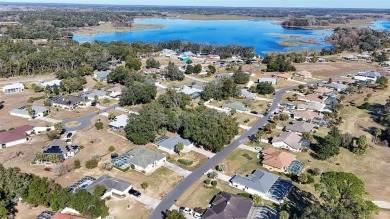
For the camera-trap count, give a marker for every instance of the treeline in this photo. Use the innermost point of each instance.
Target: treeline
(358, 39)
(311, 21)
(41, 191)
(282, 62)
(170, 112)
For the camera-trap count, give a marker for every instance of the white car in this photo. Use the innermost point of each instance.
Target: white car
(186, 210)
(258, 148)
(197, 215)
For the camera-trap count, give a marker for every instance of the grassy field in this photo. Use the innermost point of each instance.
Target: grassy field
(107, 28)
(241, 162)
(196, 158)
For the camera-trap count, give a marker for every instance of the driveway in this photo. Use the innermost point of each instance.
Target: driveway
(208, 154)
(248, 148)
(177, 169)
(153, 203)
(221, 176)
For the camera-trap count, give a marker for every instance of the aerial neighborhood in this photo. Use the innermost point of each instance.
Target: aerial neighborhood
(178, 129)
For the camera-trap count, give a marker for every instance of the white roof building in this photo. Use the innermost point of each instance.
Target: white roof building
(120, 122)
(13, 88)
(268, 80)
(50, 83)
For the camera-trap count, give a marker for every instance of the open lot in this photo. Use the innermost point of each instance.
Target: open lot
(199, 196)
(241, 162)
(25, 211)
(128, 208)
(196, 158)
(61, 114)
(332, 68)
(245, 119)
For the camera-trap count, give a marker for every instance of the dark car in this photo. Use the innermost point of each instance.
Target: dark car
(134, 192)
(69, 135)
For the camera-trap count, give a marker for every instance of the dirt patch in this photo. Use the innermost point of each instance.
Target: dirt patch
(72, 124)
(26, 211)
(128, 208)
(61, 114)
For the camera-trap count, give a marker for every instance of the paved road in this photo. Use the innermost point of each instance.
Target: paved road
(382, 204)
(85, 120)
(195, 78)
(170, 199)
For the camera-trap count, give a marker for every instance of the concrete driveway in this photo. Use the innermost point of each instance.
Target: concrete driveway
(153, 203)
(177, 169)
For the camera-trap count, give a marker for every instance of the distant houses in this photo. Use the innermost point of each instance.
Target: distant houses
(141, 159)
(225, 74)
(168, 144)
(312, 98)
(119, 122)
(51, 84)
(284, 76)
(244, 93)
(303, 74)
(13, 88)
(24, 111)
(267, 185)
(339, 87)
(61, 148)
(12, 137)
(68, 102)
(290, 141)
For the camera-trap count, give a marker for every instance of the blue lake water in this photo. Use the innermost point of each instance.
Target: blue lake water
(258, 33)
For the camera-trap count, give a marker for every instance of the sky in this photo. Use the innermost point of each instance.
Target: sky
(381, 4)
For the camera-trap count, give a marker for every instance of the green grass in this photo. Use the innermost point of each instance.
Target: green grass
(241, 161)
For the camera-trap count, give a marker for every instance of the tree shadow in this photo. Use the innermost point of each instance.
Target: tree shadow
(297, 201)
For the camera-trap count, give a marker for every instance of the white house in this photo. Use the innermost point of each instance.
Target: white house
(38, 111)
(114, 186)
(12, 137)
(69, 102)
(249, 85)
(168, 53)
(288, 140)
(268, 80)
(101, 76)
(141, 158)
(13, 88)
(91, 94)
(50, 84)
(367, 76)
(119, 122)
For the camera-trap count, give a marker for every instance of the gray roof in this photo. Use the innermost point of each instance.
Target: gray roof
(109, 183)
(120, 121)
(298, 126)
(92, 93)
(171, 142)
(228, 206)
(259, 180)
(103, 74)
(338, 86)
(235, 105)
(190, 90)
(247, 94)
(60, 99)
(372, 74)
(269, 80)
(331, 100)
(221, 75)
(290, 138)
(143, 157)
(23, 109)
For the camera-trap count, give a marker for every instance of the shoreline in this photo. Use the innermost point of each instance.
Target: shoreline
(107, 29)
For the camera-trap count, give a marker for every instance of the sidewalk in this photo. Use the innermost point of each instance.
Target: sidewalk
(177, 169)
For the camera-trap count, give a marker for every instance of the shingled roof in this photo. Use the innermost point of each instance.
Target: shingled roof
(228, 206)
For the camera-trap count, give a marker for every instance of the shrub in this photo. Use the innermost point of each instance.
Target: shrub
(310, 179)
(90, 164)
(185, 162)
(76, 164)
(107, 165)
(132, 166)
(214, 183)
(247, 156)
(314, 172)
(244, 194)
(207, 181)
(221, 167)
(99, 125)
(111, 148)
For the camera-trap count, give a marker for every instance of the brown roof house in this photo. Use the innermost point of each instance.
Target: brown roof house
(290, 141)
(307, 115)
(284, 76)
(300, 127)
(278, 161)
(19, 135)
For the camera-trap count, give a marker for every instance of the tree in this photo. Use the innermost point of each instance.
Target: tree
(98, 125)
(3, 209)
(173, 99)
(197, 68)
(179, 147)
(220, 89)
(361, 146)
(342, 97)
(257, 200)
(269, 126)
(58, 126)
(212, 175)
(152, 63)
(377, 133)
(264, 88)
(174, 214)
(133, 63)
(189, 69)
(328, 147)
(212, 69)
(111, 148)
(382, 82)
(173, 73)
(145, 185)
(260, 133)
(337, 107)
(77, 164)
(303, 178)
(91, 163)
(240, 77)
(30, 111)
(221, 167)
(137, 92)
(214, 183)
(284, 215)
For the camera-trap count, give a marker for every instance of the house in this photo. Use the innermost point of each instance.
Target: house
(101, 76)
(299, 127)
(323, 91)
(141, 159)
(367, 76)
(46, 215)
(213, 56)
(61, 148)
(385, 64)
(68, 102)
(59, 215)
(234, 105)
(188, 54)
(307, 115)
(290, 141)
(332, 101)
(168, 53)
(268, 80)
(115, 91)
(192, 91)
(114, 186)
(168, 143)
(13, 88)
(278, 161)
(92, 94)
(364, 56)
(339, 87)
(23, 111)
(50, 84)
(228, 206)
(303, 74)
(350, 58)
(19, 135)
(284, 76)
(225, 74)
(313, 106)
(247, 94)
(267, 185)
(249, 85)
(119, 122)
(151, 81)
(150, 70)
(312, 98)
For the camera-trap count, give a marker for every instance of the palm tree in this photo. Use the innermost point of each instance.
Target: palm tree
(377, 133)
(40, 157)
(31, 111)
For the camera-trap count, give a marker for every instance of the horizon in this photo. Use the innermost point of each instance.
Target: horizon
(317, 4)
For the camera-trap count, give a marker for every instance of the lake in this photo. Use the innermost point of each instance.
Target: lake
(263, 34)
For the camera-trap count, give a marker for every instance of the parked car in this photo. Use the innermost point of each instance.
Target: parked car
(48, 169)
(254, 112)
(69, 135)
(186, 210)
(134, 192)
(197, 215)
(258, 148)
